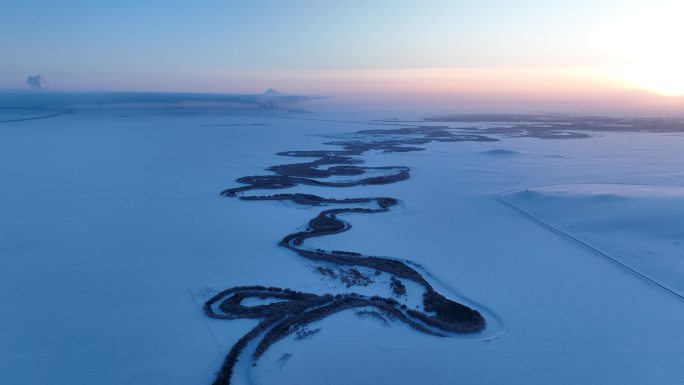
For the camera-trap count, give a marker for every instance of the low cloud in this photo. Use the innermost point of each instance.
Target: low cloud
(36, 82)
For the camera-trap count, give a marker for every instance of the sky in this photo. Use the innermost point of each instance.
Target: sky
(617, 52)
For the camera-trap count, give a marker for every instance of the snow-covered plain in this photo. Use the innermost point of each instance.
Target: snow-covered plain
(639, 226)
(112, 228)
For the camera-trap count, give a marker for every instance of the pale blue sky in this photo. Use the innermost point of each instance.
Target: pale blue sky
(137, 44)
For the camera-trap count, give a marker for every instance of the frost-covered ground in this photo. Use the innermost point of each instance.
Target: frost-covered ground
(111, 230)
(639, 226)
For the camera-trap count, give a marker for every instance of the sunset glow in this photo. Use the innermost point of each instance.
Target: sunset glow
(642, 41)
(613, 54)
(664, 80)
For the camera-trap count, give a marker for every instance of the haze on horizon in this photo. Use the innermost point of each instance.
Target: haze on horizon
(611, 55)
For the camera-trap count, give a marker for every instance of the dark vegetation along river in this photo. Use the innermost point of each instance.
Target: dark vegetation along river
(290, 311)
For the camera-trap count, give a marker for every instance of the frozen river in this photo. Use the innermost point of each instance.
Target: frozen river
(112, 227)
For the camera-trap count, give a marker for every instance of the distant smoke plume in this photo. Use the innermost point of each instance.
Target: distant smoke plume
(36, 82)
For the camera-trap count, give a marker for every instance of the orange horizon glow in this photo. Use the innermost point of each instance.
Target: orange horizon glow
(545, 88)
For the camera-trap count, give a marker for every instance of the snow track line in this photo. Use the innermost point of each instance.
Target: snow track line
(56, 113)
(637, 273)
